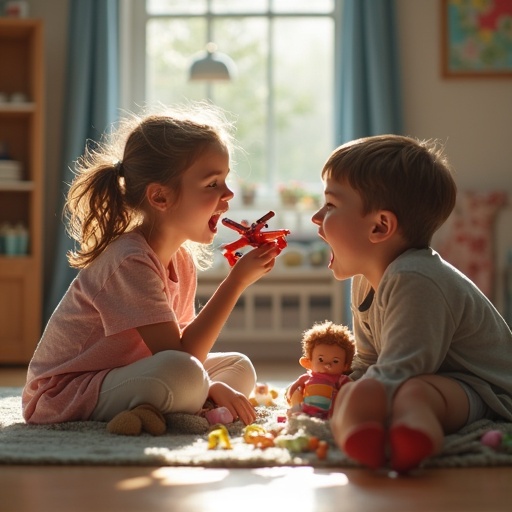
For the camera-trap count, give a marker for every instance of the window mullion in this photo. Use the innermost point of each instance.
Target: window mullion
(270, 139)
(133, 36)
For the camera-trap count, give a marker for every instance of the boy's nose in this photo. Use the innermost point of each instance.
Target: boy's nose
(317, 217)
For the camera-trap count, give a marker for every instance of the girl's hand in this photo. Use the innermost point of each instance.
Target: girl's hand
(255, 264)
(237, 404)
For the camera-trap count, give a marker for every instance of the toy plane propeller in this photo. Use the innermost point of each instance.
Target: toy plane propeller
(253, 235)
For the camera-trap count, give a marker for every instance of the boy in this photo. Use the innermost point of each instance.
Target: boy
(432, 353)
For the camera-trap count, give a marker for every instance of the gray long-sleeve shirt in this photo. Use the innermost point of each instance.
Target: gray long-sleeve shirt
(427, 317)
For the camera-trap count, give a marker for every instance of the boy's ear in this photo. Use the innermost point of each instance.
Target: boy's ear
(305, 362)
(385, 225)
(156, 196)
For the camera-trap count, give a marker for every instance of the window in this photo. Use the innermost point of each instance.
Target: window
(282, 98)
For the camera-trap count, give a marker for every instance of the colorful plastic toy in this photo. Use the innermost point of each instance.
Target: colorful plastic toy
(219, 437)
(263, 395)
(497, 439)
(252, 235)
(219, 415)
(258, 436)
(301, 442)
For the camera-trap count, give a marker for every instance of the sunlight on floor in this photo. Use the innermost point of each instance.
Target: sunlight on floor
(217, 488)
(272, 487)
(175, 476)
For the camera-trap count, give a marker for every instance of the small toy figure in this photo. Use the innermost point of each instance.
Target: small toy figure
(301, 442)
(263, 395)
(219, 438)
(252, 235)
(258, 436)
(328, 350)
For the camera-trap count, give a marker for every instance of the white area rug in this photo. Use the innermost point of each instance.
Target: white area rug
(186, 443)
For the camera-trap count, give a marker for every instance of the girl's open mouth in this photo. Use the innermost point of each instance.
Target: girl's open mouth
(212, 223)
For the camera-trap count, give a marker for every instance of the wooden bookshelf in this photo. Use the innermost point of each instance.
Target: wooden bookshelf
(21, 200)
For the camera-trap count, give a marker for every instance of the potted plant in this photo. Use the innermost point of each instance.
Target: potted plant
(291, 193)
(248, 192)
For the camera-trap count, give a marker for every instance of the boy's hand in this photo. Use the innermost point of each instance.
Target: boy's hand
(297, 385)
(237, 404)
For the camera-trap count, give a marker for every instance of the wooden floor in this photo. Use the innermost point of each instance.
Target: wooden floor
(155, 489)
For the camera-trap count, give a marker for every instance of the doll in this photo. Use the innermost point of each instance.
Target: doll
(327, 353)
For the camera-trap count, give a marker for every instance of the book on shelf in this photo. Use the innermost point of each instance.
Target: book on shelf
(10, 170)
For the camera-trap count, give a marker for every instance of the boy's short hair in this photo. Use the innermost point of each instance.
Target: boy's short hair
(408, 177)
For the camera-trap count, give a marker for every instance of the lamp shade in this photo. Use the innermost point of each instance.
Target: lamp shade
(212, 65)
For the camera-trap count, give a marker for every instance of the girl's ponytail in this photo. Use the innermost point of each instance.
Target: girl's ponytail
(95, 209)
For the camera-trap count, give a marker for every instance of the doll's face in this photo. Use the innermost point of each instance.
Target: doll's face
(330, 359)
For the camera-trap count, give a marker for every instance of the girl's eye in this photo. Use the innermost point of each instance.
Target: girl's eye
(213, 185)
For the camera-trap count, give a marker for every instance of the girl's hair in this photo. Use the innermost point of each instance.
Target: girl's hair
(408, 177)
(328, 333)
(106, 196)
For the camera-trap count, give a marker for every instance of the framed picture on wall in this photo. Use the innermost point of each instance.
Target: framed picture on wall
(476, 38)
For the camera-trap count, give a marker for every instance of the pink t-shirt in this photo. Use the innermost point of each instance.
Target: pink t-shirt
(93, 329)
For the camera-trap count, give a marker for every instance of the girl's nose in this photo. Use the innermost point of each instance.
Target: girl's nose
(228, 194)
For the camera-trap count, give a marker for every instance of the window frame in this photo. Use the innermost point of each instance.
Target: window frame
(133, 21)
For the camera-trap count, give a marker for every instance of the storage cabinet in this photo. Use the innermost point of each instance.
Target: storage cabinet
(21, 187)
(271, 315)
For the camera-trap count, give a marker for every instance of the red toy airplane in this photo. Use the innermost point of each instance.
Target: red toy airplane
(252, 235)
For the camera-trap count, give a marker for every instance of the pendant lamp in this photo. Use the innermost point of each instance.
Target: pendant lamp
(212, 65)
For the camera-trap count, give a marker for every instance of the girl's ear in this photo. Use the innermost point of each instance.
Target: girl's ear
(385, 225)
(157, 196)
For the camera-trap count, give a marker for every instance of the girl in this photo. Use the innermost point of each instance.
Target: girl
(125, 334)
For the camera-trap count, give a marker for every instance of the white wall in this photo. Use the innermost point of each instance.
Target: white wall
(473, 116)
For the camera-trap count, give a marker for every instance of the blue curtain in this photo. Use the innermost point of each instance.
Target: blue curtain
(91, 106)
(367, 73)
(368, 100)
